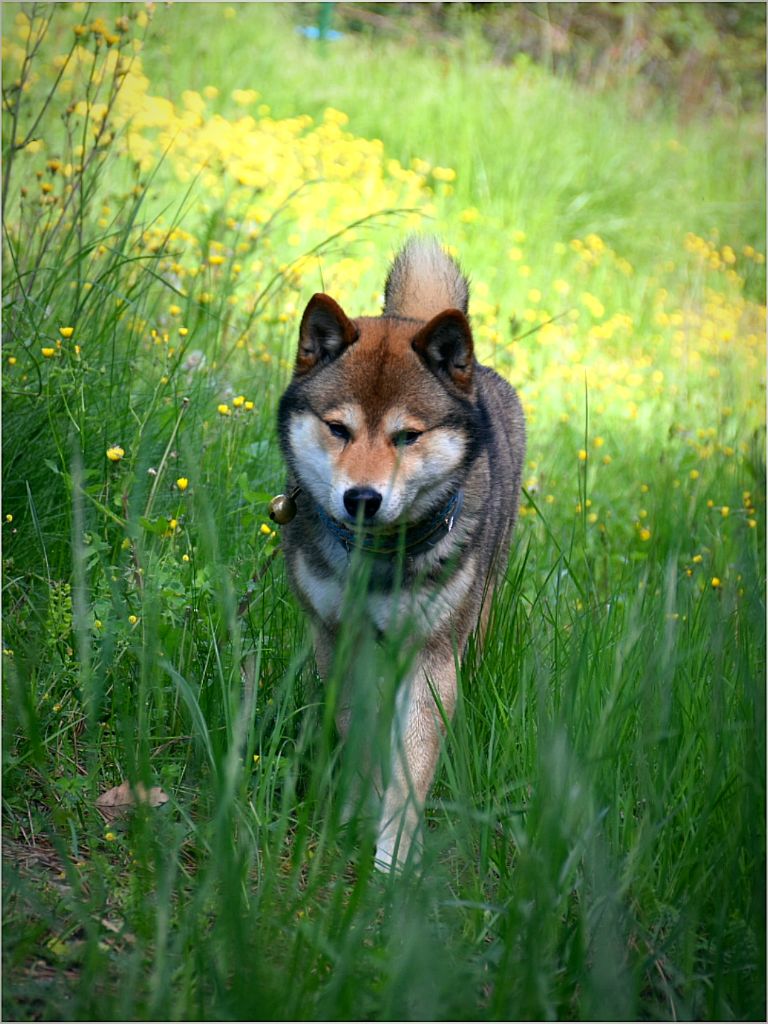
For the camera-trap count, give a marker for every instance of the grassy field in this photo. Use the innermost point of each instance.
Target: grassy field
(174, 191)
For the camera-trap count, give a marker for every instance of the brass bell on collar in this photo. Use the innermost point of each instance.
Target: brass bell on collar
(282, 509)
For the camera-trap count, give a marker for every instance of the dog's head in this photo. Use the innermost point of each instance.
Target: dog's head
(377, 422)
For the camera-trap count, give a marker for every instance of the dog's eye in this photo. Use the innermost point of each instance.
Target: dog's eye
(339, 430)
(406, 437)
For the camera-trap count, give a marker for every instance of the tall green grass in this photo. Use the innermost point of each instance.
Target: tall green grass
(596, 834)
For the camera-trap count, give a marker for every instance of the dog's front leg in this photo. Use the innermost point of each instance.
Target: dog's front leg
(416, 734)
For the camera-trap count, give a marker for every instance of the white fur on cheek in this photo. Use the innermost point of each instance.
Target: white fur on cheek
(441, 452)
(420, 472)
(314, 467)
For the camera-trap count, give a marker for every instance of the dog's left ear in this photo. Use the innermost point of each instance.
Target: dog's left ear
(445, 344)
(325, 332)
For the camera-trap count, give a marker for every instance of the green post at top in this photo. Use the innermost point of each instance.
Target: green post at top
(324, 20)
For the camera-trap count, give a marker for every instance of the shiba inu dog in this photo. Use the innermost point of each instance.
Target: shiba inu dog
(404, 451)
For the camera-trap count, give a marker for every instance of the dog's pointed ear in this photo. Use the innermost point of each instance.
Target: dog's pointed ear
(325, 332)
(445, 344)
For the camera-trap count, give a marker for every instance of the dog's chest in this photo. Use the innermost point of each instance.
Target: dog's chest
(416, 607)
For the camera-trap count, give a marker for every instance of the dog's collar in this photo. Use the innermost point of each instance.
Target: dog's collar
(411, 540)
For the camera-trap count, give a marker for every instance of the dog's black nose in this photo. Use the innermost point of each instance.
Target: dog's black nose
(362, 497)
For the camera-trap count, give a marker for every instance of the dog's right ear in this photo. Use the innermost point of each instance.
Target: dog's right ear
(325, 332)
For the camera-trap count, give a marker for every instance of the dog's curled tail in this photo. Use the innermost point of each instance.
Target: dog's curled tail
(423, 281)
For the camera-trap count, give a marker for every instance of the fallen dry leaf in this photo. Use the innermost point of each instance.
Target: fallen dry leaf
(123, 798)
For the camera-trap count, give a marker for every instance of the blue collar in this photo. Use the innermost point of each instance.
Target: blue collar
(386, 542)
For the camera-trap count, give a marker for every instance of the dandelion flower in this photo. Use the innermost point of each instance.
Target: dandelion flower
(694, 474)
(697, 558)
(48, 352)
(182, 483)
(582, 455)
(66, 332)
(133, 619)
(725, 511)
(266, 530)
(715, 582)
(645, 534)
(223, 409)
(238, 401)
(115, 453)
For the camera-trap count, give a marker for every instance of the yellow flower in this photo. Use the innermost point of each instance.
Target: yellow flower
(115, 453)
(645, 533)
(48, 352)
(133, 619)
(582, 455)
(223, 409)
(9, 518)
(725, 511)
(266, 530)
(697, 558)
(183, 331)
(182, 483)
(694, 474)
(248, 406)
(172, 524)
(751, 523)
(66, 332)
(174, 310)
(185, 558)
(715, 582)
(238, 401)
(110, 837)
